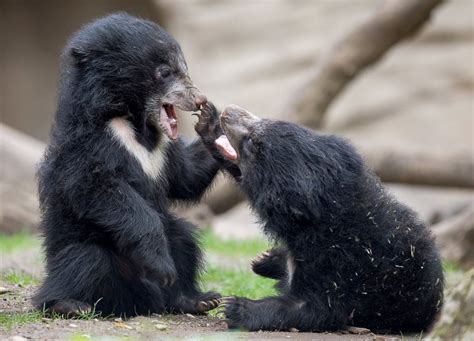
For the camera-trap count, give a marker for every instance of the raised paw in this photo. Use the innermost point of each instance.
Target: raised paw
(69, 308)
(271, 264)
(208, 125)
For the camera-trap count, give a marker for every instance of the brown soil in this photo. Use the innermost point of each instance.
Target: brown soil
(155, 327)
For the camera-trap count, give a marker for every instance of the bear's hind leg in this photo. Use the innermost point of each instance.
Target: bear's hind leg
(185, 296)
(86, 276)
(74, 274)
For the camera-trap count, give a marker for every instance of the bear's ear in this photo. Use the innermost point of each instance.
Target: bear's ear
(79, 55)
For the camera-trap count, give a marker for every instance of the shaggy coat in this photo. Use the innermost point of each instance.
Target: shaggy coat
(349, 254)
(111, 171)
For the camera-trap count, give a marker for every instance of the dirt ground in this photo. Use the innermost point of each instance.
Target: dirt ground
(155, 327)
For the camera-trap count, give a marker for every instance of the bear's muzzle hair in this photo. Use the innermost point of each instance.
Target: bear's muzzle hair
(184, 95)
(237, 122)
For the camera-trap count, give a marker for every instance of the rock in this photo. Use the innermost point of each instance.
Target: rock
(161, 326)
(456, 321)
(223, 195)
(122, 325)
(17, 338)
(200, 215)
(358, 330)
(19, 155)
(455, 237)
(4, 290)
(433, 204)
(238, 223)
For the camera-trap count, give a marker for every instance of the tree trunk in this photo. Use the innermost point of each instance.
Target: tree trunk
(395, 21)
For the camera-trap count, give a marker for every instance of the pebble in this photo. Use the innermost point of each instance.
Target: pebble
(16, 338)
(191, 316)
(122, 325)
(72, 325)
(161, 326)
(293, 330)
(358, 330)
(4, 290)
(118, 319)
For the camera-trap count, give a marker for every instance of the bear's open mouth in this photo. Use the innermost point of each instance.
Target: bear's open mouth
(222, 143)
(169, 121)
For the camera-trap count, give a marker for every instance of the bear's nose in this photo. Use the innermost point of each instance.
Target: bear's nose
(226, 113)
(200, 100)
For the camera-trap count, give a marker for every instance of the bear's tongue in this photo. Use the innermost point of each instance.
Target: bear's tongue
(168, 121)
(223, 144)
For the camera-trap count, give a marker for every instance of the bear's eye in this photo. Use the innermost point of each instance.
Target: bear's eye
(163, 72)
(248, 145)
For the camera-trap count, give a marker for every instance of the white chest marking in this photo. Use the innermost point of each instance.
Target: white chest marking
(152, 162)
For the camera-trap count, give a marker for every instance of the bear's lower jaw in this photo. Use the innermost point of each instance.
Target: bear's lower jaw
(168, 121)
(222, 143)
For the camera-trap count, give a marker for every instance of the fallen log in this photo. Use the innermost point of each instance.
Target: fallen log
(19, 155)
(455, 237)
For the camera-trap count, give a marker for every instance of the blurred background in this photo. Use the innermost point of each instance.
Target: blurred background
(410, 112)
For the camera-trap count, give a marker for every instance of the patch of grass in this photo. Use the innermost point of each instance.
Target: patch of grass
(85, 337)
(90, 315)
(18, 278)
(10, 320)
(21, 240)
(251, 247)
(235, 281)
(230, 282)
(449, 266)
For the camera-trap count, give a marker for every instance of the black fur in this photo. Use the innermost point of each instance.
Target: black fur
(110, 238)
(360, 257)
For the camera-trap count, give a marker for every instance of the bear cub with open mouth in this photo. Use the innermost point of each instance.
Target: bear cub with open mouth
(348, 253)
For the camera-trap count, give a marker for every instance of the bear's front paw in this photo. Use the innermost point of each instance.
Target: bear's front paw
(197, 304)
(237, 311)
(208, 301)
(69, 308)
(208, 125)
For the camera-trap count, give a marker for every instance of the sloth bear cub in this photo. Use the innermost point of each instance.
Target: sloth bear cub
(349, 254)
(113, 167)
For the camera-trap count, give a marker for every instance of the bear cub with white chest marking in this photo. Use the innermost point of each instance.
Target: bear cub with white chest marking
(349, 254)
(112, 169)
